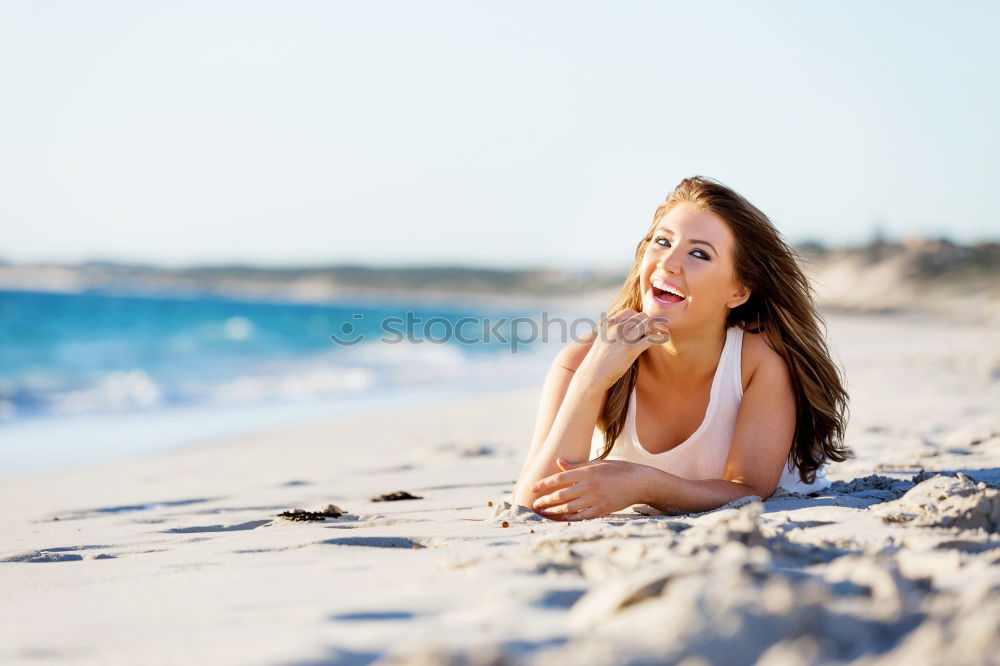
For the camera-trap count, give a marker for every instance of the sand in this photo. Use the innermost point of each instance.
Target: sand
(181, 557)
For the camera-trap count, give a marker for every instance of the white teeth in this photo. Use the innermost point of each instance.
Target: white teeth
(660, 284)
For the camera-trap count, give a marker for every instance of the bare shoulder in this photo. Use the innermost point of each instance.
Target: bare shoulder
(759, 357)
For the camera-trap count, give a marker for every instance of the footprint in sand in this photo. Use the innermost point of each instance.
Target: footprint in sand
(62, 554)
(373, 616)
(376, 542)
(364, 542)
(238, 527)
(89, 513)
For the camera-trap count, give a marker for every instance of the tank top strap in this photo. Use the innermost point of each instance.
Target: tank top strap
(732, 358)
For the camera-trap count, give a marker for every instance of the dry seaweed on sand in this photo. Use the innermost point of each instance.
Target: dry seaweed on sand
(331, 511)
(396, 496)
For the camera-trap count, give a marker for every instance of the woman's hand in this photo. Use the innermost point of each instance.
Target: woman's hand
(589, 489)
(619, 341)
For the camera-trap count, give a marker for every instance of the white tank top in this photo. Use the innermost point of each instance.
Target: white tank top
(703, 454)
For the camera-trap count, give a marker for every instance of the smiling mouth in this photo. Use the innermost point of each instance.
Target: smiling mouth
(666, 297)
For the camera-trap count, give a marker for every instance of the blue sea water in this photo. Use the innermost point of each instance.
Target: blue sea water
(92, 376)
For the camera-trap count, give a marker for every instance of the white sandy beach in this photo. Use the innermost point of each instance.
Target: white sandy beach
(181, 558)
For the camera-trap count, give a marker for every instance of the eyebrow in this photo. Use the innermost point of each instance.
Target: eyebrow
(693, 240)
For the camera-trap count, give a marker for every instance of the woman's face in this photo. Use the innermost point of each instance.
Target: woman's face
(691, 253)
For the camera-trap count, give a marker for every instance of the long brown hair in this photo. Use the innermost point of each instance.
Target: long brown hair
(781, 307)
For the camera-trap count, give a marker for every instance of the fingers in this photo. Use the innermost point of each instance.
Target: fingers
(655, 329)
(628, 313)
(656, 338)
(659, 323)
(617, 318)
(557, 506)
(566, 513)
(556, 481)
(631, 326)
(564, 509)
(641, 325)
(557, 498)
(584, 514)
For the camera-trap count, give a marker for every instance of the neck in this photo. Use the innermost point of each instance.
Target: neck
(688, 358)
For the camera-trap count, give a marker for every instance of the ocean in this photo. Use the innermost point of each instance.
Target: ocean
(95, 376)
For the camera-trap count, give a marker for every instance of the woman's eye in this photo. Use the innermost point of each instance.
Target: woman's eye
(701, 254)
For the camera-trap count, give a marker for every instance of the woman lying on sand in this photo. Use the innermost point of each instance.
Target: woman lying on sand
(709, 375)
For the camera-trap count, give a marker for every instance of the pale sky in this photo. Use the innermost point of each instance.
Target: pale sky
(503, 134)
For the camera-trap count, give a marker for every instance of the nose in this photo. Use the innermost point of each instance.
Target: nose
(670, 261)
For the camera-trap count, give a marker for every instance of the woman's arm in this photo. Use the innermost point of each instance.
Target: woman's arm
(673, 494)
(597, 488)
(612, 348)
(760, 447)
(557, 383)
